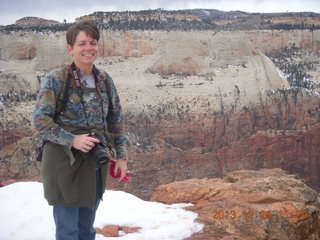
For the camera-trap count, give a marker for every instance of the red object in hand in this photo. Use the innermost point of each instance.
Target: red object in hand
(111, 171)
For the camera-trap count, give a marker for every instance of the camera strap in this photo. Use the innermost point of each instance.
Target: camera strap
(76, 76)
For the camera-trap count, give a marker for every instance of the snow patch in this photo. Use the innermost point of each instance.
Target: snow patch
(26, 215)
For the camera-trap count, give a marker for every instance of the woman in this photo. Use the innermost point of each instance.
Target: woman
(73, 177)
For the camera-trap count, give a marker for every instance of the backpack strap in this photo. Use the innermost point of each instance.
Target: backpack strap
(61, 104)
(107, 85)
(66, 93)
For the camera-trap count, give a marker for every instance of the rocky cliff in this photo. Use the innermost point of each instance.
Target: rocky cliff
(27, 21)
(198, 103)
(211, 55)
(202, 19)
(266, 204)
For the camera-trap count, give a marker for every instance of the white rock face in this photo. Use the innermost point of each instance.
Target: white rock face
(152, 67)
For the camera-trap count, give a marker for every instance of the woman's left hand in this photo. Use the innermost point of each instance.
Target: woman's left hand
(122, 165)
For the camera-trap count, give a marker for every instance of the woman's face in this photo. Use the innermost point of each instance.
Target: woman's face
(84, 51)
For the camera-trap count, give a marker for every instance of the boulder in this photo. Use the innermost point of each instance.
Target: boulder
(115, 230)
(248, 204)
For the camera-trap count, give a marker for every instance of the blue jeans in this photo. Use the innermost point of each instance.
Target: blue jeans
(76, 223)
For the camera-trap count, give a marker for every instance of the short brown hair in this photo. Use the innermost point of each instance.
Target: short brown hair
(87, 26)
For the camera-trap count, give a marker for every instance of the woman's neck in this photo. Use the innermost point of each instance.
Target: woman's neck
(87, 70)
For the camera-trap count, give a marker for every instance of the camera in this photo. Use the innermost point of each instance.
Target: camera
(98, 152)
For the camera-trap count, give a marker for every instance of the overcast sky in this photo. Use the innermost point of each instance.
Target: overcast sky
(10, 11)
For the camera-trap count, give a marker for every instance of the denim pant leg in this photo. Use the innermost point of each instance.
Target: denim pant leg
(73, 223)
(88, 215)
(66, 220)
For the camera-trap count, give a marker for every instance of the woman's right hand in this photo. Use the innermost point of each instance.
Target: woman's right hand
(84, 142)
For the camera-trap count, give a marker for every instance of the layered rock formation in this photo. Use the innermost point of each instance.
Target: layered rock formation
(202, 19)
(279, 133)
(222, 49)
(245, 205)
(146, 15)
(198, 104)
(27, 21)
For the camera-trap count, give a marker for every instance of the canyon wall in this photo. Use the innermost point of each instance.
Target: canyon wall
(282, 132)
(198, 103)
(49, 47)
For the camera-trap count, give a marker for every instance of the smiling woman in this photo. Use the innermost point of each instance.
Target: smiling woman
(77, 139)
(83, 46)
(84, 52)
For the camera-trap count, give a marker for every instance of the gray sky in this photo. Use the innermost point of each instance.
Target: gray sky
(10, 11)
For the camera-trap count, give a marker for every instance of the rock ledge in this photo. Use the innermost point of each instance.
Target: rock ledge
(248, 204)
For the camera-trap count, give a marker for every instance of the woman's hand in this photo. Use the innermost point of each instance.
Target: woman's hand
(122, 165)
(84, 143)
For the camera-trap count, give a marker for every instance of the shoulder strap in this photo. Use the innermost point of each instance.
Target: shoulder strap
(61, 105)
(66, 93)
(107, 85)
(106, 82)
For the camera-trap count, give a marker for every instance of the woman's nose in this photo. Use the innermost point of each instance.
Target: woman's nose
(88, 46)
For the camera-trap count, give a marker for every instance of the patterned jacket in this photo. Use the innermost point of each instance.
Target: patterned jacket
(95, 111)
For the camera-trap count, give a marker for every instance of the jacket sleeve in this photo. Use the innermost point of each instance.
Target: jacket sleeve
(116, 120)
(44, 112)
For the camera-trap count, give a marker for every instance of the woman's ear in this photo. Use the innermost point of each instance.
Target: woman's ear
(69, 49)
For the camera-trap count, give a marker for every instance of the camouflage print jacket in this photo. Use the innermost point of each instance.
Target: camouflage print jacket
(55, 128)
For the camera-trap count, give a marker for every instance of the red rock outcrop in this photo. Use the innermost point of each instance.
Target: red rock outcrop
(113, 230)
(248, 205)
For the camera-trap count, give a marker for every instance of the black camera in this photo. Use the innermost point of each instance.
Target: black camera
(99, 153)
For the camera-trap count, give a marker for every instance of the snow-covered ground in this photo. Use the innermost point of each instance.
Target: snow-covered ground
(25, 215)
